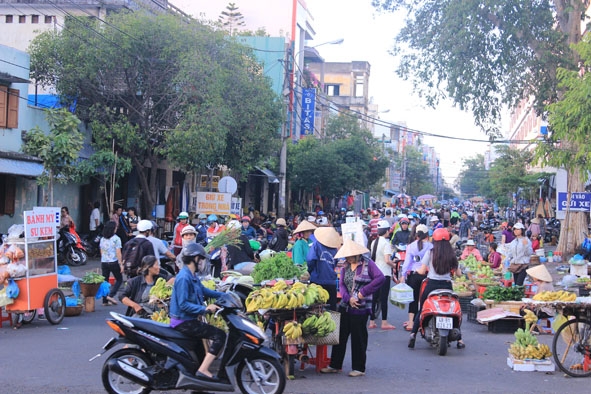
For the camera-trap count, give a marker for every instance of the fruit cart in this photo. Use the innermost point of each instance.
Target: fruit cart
(571, 345)
(37, 282)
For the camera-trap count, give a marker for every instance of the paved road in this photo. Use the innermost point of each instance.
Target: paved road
(44, 359)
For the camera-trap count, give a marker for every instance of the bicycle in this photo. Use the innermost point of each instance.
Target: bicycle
(571, 346)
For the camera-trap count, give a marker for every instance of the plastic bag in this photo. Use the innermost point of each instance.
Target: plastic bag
(4, 299)
(71, 301)
(64, 270)
(76, 289)
(12, 289)
(103, 291)
(401, 293)
(15, 231)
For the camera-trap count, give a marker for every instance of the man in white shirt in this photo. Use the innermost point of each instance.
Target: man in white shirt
(95, 219)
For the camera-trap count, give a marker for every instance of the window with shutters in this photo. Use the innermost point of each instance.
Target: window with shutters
(9, 99)
(7, 194)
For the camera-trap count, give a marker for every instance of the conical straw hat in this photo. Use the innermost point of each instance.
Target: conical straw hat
(328, 237)
(540, 272)
(350, 248)
(304, 226)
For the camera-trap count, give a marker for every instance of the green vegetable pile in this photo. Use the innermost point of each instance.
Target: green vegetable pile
(278, 266)
(92, 277)
(500, 293)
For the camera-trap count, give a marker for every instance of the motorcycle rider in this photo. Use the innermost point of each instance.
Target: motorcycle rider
(183, 220)
(443, 264)
(189, 236)
(402, 235)
(246, 229)
(202, 229)
(187, 305)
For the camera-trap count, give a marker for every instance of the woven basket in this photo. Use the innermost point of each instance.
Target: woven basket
(330, 339)
(89, 289)
(73, 310)
(534, 260)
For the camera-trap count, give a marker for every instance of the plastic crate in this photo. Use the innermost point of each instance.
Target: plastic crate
(465, 304)
(583, 291)
(473, 312)
(506, 326)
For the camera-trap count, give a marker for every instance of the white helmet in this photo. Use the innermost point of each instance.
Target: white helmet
(234, 225)
(383, 224)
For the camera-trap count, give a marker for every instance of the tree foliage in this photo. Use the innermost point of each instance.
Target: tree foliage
(231, 18)
(163, 90)
(473, 178)
(416, 178)
(346, 158)
(59, 149)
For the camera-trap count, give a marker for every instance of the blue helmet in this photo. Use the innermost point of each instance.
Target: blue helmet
(212, 218)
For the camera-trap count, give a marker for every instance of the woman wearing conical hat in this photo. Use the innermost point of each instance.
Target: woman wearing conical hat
(360, 279)
(302, 245)
(321, 264)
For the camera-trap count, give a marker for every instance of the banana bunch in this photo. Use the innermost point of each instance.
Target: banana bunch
(530, 317)
(210, 284)
(161, 316)
(292, 330)
(283, 296)
(538, 352)
(216, 321)
(161, 289)
(525, 338)
(319, 326)
(561, 295)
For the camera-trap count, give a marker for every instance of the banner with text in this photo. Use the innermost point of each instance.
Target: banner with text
(217, 203)
(580, 202)
(308, 110)
(41, 222)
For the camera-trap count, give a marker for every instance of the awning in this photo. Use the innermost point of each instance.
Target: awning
(272, 178)
(389, 192)
(20, 167)
(8, 78)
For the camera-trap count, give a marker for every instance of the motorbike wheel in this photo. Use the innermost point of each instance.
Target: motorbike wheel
(442, 346)
(117, 384)
(29, 316)
(76, 257)
(269, 376)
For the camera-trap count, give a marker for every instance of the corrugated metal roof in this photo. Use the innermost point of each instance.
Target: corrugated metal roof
(20, 167)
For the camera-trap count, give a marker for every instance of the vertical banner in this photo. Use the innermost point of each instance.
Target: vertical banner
(308, 109)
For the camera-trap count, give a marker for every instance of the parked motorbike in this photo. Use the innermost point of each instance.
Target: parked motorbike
(70, 249)
(398, 260)
(91, 245)
(440, 319)
(552, 229)
(154, 356)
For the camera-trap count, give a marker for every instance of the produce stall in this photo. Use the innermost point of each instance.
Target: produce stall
(33, 266)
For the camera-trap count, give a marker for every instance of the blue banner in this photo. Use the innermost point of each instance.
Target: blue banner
(580, 202)
(308, 109)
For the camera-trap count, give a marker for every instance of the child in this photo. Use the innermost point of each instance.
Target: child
(494, 257)
(535, 242)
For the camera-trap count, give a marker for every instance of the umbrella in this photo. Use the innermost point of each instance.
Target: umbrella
(426, 197)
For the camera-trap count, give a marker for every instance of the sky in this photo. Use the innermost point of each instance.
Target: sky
(368, 36)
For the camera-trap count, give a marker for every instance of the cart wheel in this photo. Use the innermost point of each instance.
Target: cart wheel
(55, 306)
(29, 316)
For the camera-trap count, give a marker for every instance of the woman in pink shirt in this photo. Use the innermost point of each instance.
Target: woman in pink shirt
(471, 250)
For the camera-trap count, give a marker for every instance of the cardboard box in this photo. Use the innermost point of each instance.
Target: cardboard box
(545, 365)
(492, 314)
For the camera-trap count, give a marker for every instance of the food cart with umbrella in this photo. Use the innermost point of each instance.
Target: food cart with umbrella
(427, 200)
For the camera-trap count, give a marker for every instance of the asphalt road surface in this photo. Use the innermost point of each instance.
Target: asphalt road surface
(41, 358)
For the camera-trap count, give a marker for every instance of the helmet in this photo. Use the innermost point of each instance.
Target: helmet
(281, 222)
(374, 213)
(441, 234)
(343, 209)
(320, 212)
(144, 225)
(422, 228)
(404, 220)
(234, 224)
(212, 218)
(183, 215)
(383, 224)
(434, 219)
(202, 216)
(245, 219)
(195, 249)
(154, 225)
(188, 230)
(350, 213)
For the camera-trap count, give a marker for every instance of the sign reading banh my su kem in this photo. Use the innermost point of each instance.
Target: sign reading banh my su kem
(216, 203)
(40, 222)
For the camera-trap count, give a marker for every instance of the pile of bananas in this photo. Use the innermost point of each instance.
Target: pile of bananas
(319, 326)
(292, 330)
(549, 296)
(527, 346)
(161, 290)
(530, 318)
(282, 296)
(161, 316)
(210, 284)
(216, 321)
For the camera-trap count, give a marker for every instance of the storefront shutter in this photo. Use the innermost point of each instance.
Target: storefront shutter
(13, 99)
(3, 105)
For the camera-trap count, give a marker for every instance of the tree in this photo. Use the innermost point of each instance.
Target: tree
(346, 158)
(473, 178)
(416, 173)
(231, 18)
(483, 55)
(163, 90)
(59, 149)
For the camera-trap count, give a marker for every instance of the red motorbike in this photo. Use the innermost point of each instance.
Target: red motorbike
(440, 319)
(398, 260)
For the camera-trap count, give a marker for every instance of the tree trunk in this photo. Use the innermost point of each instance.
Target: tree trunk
(574, 226)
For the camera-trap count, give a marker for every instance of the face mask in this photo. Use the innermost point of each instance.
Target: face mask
(187, 242)
(124, 213)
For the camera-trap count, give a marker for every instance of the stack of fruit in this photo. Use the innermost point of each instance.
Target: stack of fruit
(552, 296)
(161, 316)
(319, 326)
(283, 296)
(462, 285)
(161, 291)
(292, 330)
(526, 346)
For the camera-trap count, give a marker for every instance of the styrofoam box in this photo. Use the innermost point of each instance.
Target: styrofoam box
(578, 270)
(530, 366)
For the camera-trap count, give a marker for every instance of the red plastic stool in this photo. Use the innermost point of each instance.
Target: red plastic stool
(528, 291)
(320, 361)
(3, 318)
(507, 282)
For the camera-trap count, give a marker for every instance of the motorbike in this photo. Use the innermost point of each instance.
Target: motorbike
(552, 229)
(91, 244)
(70, 249)
(440, 319)
(398, 260)
(154, 356)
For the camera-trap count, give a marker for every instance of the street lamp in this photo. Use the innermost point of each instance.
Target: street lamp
(281, 206)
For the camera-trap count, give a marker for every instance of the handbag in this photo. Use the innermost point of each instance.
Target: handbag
(516, 268)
